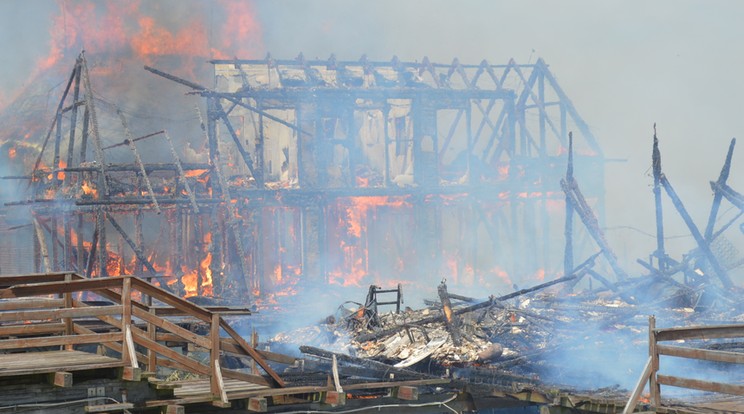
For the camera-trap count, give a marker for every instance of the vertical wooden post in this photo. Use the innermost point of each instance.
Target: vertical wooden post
(654, 388)
(254, 343)
(79, 247)
(152, 356)
(102, 248)
(126, 319)
(568, 254)
(68, 321)
(214, 356)
(55, 249)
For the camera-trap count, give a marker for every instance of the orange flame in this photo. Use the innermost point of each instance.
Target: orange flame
(354, 250)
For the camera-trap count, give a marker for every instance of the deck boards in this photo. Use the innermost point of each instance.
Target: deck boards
(50, 361)
(190, 388)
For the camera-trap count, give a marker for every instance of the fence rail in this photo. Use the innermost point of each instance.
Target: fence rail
(651, 373)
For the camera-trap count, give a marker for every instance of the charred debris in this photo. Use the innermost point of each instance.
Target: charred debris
(552, 335)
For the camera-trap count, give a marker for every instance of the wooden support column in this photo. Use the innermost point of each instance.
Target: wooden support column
(73, 118)
(42, 246)
(656, 165)
(67, 296)
(102, 248)
(80, 249)
(655, 390)
(568, 229)
(216, 384)
(152, 356)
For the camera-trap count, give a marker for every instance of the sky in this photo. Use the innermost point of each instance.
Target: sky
(625, 65)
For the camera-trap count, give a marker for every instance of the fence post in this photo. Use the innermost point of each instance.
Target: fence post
(152, 356)
(215, 380)
(653, 353)
(126, 319)
(69, 330)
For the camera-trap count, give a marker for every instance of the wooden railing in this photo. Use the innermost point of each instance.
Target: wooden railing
(651, 373)
(46, 313)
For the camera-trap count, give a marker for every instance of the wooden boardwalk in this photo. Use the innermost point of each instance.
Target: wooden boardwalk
(107, 354)
(28, 363)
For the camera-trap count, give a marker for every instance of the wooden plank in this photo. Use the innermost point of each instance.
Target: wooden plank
(172, 327)
(69, 330)
(60, 313)
(700, 332)
(18, 304)
(11, 280)
(31, 329)
(59, 340)
(126, 322)
(105, 408)
(392, 384)
(52, 288)
(267, 392)
(131, 353)
(172, 300)
(704, 354)
(52, 361)
(700, 385)
(230, 345)
(217, 375)
(242, 376)
(114, 346)
(180, 361)
(252, 352)
(653, 386)
(152, 334)
(630, 406)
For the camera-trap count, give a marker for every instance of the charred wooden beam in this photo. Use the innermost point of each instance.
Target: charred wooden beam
(73, 116)
(571, 189)
(149, 167)
(55, 123)
(699, 239)
(91, 109)
(568, 229)
(126, 141)
(192, 85)
(233, 224)
(181, 173)
(137, 251)
(243, 153)
(450, 320)
(656, 164)
(137, 158)
(368, 363)
(718, 196)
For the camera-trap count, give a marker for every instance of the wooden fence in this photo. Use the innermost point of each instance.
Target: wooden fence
(655, 379)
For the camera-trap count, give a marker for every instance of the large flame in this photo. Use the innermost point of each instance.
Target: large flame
(139, 31)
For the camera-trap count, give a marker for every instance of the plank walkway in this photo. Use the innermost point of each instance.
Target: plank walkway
(27, 363)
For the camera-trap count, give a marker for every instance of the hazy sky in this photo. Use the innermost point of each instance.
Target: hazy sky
(625, 65)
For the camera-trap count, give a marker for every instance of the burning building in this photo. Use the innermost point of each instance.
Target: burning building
(316, 171)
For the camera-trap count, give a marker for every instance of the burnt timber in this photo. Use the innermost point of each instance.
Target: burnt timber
(289, 147)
